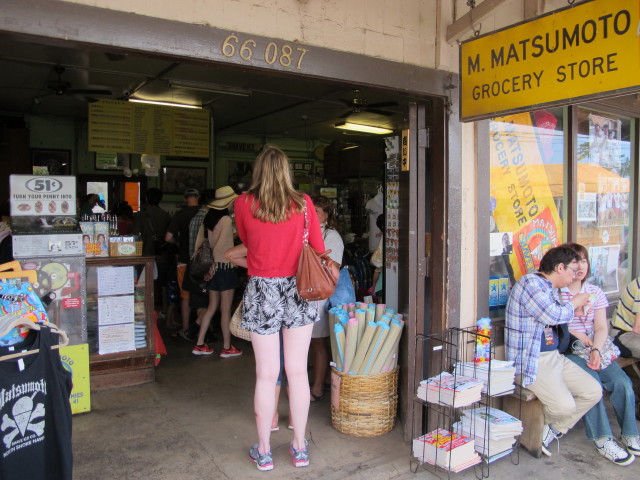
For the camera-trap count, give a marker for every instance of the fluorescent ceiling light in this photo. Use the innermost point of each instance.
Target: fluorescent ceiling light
(164, 104)
(210, 87)
(358, 127)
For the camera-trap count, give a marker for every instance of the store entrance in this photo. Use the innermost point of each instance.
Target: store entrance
(300, 114)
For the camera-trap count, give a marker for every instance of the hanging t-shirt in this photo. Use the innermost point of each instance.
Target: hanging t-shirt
(35, 413)
(374, 207)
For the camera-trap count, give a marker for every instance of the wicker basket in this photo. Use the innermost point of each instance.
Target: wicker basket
(364, 405)
(125, 249)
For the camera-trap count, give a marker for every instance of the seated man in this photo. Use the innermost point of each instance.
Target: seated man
(534, 314)
(626, 321)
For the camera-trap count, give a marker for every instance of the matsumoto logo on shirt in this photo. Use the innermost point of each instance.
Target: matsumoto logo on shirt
(23, 424)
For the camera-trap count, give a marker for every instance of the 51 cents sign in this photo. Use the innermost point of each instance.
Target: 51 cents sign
(37, 195)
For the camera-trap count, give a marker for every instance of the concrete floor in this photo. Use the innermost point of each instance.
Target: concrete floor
(196, 422)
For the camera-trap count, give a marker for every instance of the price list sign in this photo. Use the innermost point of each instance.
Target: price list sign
(117, 126)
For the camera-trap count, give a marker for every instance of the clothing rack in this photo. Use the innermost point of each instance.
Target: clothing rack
(9, 322)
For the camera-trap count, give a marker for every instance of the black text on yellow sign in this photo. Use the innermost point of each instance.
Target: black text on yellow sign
(588, 49)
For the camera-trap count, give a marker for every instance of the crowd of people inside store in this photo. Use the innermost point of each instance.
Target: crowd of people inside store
(261, 230)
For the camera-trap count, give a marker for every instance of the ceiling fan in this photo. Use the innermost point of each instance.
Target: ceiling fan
(61, 87)
(358, 104)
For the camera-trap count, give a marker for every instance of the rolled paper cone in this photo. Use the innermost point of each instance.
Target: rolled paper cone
(386, 319)
(343, 319)
(361, 315)
(332, 317)
(338, 331)
(334, 345)
(371, 314)
(368, 299)
(387, 348)
(392, 361)
(352, 314)
(351, 343)
(390, 364)
(351, 307)
(363, 347)
(381, 334)
(379, 311)
(389, 311)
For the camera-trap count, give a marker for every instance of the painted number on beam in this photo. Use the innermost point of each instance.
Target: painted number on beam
(286, 55)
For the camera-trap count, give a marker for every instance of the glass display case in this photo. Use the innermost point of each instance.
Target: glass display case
(120, 322)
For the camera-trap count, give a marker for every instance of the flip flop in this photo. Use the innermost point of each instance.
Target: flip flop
(275, 429)
(316, 398)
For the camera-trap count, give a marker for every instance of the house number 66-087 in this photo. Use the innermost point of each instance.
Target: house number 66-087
(286, 55)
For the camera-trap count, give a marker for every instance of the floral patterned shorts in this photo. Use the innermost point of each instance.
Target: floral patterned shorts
(272, 303)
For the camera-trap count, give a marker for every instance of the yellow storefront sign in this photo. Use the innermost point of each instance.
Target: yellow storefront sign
(588, 49)
(75, 358)
(522, 192)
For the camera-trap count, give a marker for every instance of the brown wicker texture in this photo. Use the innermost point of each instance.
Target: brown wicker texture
(125, 249)
(366, 404)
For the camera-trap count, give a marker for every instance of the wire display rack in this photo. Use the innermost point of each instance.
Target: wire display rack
(437, 353)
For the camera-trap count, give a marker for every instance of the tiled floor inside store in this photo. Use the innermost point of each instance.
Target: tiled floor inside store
(196, 422)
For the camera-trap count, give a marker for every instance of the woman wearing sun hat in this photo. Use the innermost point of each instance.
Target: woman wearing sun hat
(222, 279)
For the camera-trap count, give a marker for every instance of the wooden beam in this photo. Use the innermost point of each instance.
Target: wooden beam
(471, 19)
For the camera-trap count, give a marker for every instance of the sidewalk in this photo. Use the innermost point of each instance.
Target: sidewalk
(196, 422)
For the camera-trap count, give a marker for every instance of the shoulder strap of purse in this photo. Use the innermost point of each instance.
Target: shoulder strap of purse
(305, 233)
(199, 238)
(153, 231)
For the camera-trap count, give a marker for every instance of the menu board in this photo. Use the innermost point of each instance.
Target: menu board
(42, 195)
(118, 126)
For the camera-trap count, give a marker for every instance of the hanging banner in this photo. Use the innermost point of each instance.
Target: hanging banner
(522, 193)
(586, 49)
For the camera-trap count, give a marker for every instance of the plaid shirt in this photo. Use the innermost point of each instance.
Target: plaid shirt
(194, 226)
(532, 305)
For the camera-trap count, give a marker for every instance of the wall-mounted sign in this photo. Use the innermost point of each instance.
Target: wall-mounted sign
(404, 151)
(38, 195)
(117, 126)
(588, 49)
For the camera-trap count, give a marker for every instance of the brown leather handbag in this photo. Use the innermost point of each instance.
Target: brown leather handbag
(317, 275)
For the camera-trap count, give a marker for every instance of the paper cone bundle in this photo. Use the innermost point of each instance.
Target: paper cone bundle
(363, 346)
(395, 329)
(382, 331)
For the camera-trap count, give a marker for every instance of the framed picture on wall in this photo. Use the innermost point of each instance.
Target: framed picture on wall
(175, 180)
(112, 161)
(47, 161)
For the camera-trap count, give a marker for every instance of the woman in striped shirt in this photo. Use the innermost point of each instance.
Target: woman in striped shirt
(590, 326)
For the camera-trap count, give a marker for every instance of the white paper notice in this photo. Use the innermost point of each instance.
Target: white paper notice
(115, 280)
(116, 338)
(113, 310)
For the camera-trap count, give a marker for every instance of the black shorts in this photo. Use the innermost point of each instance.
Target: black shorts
(225, 278)
(272, 303)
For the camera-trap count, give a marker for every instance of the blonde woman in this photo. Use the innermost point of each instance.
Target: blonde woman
(270, 221)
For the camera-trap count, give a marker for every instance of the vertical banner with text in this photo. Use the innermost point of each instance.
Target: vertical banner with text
(522, 194)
